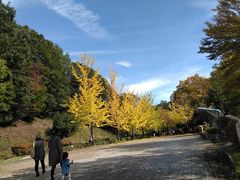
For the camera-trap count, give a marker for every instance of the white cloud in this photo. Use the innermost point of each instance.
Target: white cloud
(207, 6)
(80, 16)
(99, 52)
(124, 64)
(163, 95)
(189, 71)
(110, 52)
(147, 86)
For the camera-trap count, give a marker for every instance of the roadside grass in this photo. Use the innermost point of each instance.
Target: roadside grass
(81, 139)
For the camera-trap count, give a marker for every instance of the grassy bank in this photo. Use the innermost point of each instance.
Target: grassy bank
(21, 134)
(83, 136)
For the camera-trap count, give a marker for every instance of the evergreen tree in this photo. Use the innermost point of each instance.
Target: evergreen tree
(216, 96)
(222, 34)
(6, 93)
(222, 42)
(40, 70)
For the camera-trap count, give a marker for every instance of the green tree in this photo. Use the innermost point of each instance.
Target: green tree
(65, 122)
(222, 34)
(222, 42)
(40, 70)
(6, 93)
(163, 104)
(216, 96)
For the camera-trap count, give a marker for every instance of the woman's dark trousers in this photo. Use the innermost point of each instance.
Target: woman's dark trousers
(36, 166)
(52, 171)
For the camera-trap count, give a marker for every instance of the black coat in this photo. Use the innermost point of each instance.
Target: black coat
(55, 150)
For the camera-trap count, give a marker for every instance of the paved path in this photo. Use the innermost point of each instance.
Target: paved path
(173, 157)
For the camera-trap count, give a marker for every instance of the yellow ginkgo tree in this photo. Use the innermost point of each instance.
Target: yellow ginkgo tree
(130, 113)
(144, 112)
(180, 113)
(115, 119)
(87, 105)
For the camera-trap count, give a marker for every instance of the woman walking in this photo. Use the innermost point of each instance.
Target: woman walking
(55, 150)
(39, 153)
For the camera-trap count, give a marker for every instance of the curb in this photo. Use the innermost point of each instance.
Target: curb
(227, 159)
(223, 156)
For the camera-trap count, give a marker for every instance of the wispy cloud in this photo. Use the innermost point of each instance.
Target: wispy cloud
(5, 1)
(163, 95)
(164, 92)
(81, 17)
(204, 4)
(124, 64)
(110, 52)
(147, 86)
(99, 52)
(189, 71)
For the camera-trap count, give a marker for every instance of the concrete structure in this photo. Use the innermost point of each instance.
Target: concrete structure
(207, 115)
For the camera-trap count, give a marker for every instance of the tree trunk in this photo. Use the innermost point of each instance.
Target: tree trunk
(143, 132)
(118, 135)
(187, 127)
(80, 133)
(133, 135)
(91, 135)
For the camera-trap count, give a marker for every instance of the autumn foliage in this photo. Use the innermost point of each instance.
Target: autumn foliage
(126, 112)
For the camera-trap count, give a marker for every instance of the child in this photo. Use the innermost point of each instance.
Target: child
(65, 165)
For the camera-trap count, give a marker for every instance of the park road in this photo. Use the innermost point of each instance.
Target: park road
(169, 157)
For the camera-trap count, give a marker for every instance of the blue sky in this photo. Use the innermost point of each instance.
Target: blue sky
(151, 44)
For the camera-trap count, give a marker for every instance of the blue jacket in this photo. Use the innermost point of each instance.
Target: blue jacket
(65, 166)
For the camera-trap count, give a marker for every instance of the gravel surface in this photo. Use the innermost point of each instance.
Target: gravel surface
(170, 157)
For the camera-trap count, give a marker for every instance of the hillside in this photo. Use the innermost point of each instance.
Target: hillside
(21, 134)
